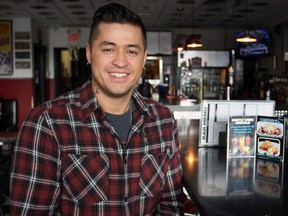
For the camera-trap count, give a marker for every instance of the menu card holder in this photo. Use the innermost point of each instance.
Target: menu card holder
(240, 155)
(241, 136)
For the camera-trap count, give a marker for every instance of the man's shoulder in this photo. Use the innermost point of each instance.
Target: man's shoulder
(61, 102)
(158, 109)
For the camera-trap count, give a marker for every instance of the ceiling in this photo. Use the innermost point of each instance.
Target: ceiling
(156, 14)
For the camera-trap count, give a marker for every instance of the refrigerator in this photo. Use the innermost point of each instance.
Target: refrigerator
(204, 74)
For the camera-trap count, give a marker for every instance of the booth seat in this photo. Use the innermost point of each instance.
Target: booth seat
(8, 115)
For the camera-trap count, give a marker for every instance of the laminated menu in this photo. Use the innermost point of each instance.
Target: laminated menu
(241, 136)
(270, 137)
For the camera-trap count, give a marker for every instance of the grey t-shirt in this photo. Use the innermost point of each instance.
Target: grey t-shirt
(122, 122)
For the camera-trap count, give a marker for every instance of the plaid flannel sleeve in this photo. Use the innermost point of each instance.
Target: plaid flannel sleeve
(35, 169)
(173, 198)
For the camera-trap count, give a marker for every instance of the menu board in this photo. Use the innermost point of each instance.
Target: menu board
(241, 136)
(270, 137)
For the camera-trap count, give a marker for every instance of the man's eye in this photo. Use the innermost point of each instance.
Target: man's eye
(107, 50)
(132, 52)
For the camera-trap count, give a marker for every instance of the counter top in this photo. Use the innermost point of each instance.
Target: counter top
(230, 186)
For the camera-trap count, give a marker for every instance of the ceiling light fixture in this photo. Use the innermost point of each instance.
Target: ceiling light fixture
(194, 40)
(246, 37)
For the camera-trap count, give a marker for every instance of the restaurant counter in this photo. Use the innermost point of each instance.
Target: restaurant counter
(225, 186)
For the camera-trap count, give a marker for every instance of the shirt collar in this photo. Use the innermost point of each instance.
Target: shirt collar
(90, 104)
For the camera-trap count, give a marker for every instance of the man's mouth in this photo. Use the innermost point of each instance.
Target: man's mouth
(119, 75)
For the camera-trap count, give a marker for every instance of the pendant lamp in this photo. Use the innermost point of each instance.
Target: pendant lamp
(194, 40)
(180, 45)
(246, 37)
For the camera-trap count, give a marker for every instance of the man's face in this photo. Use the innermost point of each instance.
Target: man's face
(117, 57)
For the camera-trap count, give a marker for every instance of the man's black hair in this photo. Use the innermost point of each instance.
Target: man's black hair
(115, 13)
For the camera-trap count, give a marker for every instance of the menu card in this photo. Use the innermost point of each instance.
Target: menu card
(241, 136)
(270, 137)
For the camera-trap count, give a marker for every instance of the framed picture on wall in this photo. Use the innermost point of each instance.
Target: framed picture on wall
(22, 55)
(22, 35)
(23, 64)
(6, 49)
(19, 45)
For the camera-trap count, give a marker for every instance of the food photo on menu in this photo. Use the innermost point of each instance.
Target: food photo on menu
(270, 138)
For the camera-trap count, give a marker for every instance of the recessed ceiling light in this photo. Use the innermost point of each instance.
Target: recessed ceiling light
(38, 7)
(46, 13)
(207, 15)
(228, 20)
(200, 20)
(75, 6)
(247, 10)
(236, 16)
(214, 9)
(260, 4)
(52, 18)
(79, 12)
(186, 2)
(70, 0)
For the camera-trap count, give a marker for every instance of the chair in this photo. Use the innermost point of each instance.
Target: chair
(4, 183)
(8, 119)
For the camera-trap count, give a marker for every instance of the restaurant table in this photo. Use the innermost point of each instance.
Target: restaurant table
(220, 185)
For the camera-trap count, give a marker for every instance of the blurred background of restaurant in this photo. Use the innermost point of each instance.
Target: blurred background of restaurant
(193, 55)
(43, 49)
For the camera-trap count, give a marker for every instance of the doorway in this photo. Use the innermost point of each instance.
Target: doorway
(71, 69)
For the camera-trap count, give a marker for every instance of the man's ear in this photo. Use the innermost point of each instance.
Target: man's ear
(88, 53)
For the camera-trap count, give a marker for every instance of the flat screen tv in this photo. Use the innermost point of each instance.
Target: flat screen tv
(263, 46)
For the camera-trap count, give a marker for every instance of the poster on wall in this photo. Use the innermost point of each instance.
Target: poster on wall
(6, 52)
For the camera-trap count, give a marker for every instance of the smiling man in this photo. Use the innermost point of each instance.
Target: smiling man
(101, 149)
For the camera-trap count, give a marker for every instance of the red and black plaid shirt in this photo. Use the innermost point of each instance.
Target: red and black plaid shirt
(69, 160)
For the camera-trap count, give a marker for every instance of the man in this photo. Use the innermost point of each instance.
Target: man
(102, 149)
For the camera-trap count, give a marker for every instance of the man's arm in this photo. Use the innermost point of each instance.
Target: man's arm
(34, 186)
(173, 198)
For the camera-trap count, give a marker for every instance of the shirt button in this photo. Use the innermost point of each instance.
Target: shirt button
(160, 157)
(125, 199)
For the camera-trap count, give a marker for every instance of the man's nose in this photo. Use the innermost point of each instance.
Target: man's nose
(120, 58)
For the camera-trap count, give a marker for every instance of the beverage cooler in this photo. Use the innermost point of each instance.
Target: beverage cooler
(205, 74)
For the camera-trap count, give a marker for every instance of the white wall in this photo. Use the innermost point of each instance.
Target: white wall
(20, 24)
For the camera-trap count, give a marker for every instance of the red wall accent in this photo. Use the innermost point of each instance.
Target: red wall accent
(20, 89)
(50, 89)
